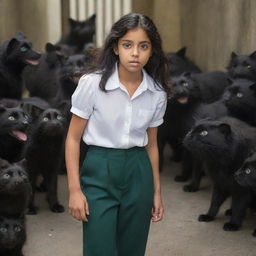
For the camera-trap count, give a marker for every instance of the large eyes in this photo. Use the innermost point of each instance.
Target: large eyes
(6, 176)
(11, 118)
(185, 84)
(144, 46)
(247, 170)
(203, 133)
(127, 45)
(3, 230)
(17, 229)
(45, 119)
(239, 95)
(59, 117)
(24, 48)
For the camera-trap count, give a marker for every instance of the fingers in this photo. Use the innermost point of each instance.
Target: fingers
(157, 214)
(80, 211)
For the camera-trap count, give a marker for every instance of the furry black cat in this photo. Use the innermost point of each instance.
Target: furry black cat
(15, 54)
(240, 99)
(222, 146)
(13, 132)
(12, 236)
(81, 33)
(242, 66)
(180, 63)
(44, 153)
(15, 190)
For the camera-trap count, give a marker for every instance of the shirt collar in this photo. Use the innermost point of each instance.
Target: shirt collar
(114, 82)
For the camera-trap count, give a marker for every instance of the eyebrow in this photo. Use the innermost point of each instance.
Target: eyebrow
(130, 41)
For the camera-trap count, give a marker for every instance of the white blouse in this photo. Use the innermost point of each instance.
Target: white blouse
(117, 120)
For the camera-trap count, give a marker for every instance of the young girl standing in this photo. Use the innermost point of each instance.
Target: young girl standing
(116, 110)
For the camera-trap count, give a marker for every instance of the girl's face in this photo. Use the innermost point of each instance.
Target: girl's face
(134, 49)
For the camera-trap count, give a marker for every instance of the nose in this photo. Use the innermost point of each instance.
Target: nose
(135, 51)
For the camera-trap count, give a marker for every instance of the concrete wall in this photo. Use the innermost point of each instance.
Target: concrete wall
(38, 19)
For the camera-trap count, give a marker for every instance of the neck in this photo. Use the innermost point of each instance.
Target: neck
(127, 78)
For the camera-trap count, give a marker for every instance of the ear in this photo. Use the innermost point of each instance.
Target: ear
(72, 22)
(115, 49)
(181, 52)
(50, 47)
(233, 55)
(4, 164)
(11, 45)
(253, 55)
(20, 35)
(22, 163)
(225, 128)
(253, 87)
(2, 108)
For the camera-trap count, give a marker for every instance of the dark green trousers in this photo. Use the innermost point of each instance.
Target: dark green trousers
(118, 184)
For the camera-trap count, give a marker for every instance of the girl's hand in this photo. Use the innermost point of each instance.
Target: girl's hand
(158, 209)
(78, 205)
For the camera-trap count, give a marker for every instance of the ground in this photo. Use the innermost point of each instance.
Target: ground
(179, 234)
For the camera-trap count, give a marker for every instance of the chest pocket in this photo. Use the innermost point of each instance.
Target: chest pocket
(144, 118)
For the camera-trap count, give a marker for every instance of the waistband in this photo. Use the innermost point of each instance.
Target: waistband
(116, 150)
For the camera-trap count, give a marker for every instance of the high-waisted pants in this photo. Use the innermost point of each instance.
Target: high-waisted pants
(118, 185)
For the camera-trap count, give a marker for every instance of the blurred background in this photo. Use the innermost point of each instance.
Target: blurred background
(210, 29)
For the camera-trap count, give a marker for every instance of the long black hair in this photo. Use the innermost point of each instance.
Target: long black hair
(156, 67)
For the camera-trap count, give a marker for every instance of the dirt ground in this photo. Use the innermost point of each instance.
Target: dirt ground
(179, 234)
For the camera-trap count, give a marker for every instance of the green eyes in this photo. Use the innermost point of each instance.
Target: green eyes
(23, 49)
(129, 46)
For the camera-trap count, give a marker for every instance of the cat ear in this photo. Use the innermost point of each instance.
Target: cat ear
(233, 55)
(181, 52)
(22, 163)
(2, 108)
(51, 47)
(4, 163)
(11, 45)
(72, 22)
(253, 55)
(225, 128)
(253, 87)
(230, 80)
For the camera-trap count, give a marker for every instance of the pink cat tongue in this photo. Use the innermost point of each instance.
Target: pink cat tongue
(183, 100)
(32, 62)
(20, 135)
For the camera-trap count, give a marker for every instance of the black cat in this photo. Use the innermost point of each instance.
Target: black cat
(42, 80)
(44, 153)
(81, 33)
(240, 99)
(15, 54)
(12, 236)
(179, 63)
(15, 190)
(13, 132)
(222, 147)
(242, 66)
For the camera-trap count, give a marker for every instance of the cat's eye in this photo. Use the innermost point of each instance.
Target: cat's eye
(249, 66)
(17, 229)
(3, 230)
(24, 48)
(59, 117)
(6, 176)
(185, 84)
(239, 95)
(45, 119)
(203, 133)
(247, 170)
(11, 118)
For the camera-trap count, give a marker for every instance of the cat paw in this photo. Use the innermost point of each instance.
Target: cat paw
(228, 226)
(180, 178)
(32, 210)
(228, 212)
(189, 188)
(57, 208)
(205, 218)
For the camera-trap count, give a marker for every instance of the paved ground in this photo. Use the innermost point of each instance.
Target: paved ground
(179, 234)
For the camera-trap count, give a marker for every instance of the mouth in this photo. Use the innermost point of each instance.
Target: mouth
(183, 100)
(134, 63)
(32, 62)
(19, 135)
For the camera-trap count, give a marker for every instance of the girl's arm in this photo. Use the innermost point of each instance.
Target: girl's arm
(78, 206)
(152, 149)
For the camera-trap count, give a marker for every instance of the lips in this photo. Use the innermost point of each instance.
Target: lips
(134, 63)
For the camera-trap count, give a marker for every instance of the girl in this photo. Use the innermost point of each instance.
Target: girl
(117, 109)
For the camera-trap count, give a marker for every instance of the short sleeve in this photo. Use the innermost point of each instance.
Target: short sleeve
(158, 117)
(83, 99)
